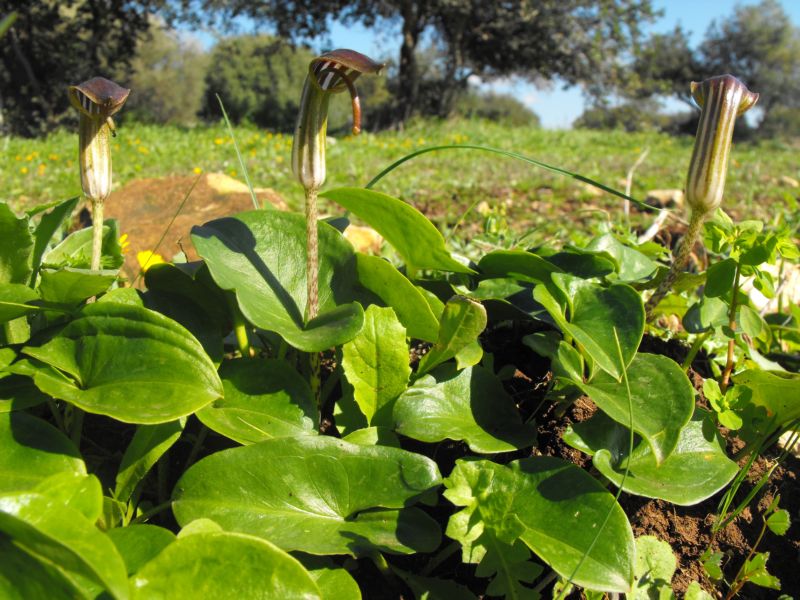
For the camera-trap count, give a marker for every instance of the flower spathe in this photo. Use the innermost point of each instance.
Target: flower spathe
(330, 73)
(97, 100)
(721, 99)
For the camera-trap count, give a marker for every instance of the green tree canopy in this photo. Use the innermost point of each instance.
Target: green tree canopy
(575, 40)
(56, 43)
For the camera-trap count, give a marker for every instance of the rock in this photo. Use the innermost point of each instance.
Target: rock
(784, 441)
(364, 239)
(145, 207)
(787, 288)
(225, 185)
(665, 198)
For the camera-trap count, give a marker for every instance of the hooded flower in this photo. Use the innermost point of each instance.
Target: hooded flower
(330, 73)
(97, 100)
(721, 99)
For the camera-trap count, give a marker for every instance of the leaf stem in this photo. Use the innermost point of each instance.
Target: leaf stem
(696, 345)
(76, 427)
(729, 363)
(312, 255)
(152, 512)
(97, 234)
(240, 328)
(440, 557)
(678, 263)
(56, 414)
(198, 444)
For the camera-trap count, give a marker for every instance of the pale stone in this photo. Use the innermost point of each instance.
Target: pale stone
(364, 239)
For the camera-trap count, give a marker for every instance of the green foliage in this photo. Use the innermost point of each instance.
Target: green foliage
(46, 49)
(503, 108)
(258, 78)
(695, 470)
(360, 501)
(553, 507)
(174, 504)
(638, 115)
(167, 75)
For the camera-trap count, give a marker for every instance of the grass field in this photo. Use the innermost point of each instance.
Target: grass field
(441, 184)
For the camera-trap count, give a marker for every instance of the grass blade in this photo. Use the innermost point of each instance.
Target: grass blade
(517, 156)
(238, 154)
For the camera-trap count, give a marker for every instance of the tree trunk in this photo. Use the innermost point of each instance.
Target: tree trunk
(453, 82)
(408, 75)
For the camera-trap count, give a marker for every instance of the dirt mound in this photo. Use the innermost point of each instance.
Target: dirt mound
(144, 208)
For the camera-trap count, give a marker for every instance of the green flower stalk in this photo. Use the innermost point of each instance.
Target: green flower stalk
(97, 100)
(721, 100)
(330, 73)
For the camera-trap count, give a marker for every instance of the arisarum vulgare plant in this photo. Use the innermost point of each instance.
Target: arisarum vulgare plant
(97, 100)
(721, 99)
(330, 73)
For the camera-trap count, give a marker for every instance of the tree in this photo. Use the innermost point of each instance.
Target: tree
(259, 78)
(578, 41)
(761, 47)
(56, 43)
(664, 65)
(167, 76)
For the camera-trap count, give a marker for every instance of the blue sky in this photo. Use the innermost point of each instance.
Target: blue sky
(558, 107)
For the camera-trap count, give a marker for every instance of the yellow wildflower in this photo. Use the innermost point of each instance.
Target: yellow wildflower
(24, 170)
(219, 141)
(148, 258)
(197, 170)
(124, 243)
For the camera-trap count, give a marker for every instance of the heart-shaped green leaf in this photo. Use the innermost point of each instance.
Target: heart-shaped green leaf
(263, 399)
(16, 247)
(661, 395)
(23, 577)
(138, 544)
(14, 301)
(31, 450)
(50, 224)
(555, 508)
(655, 566)
(777, 392)
(517, 263)
(76, 249)
(260, 255)
(695, 470)
(595, 313)
(149, 443)
(376, 364)
(18, 392)
(461, 323)
(223, 565)
(127, 362)
(382, 279)
(632, 265)
(69, 285)
(335, 583)
(47, 528)
(315, 494)
(75, 490)
(469, 405)
(407, 230)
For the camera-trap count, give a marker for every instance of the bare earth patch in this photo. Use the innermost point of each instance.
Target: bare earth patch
(144, 208)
